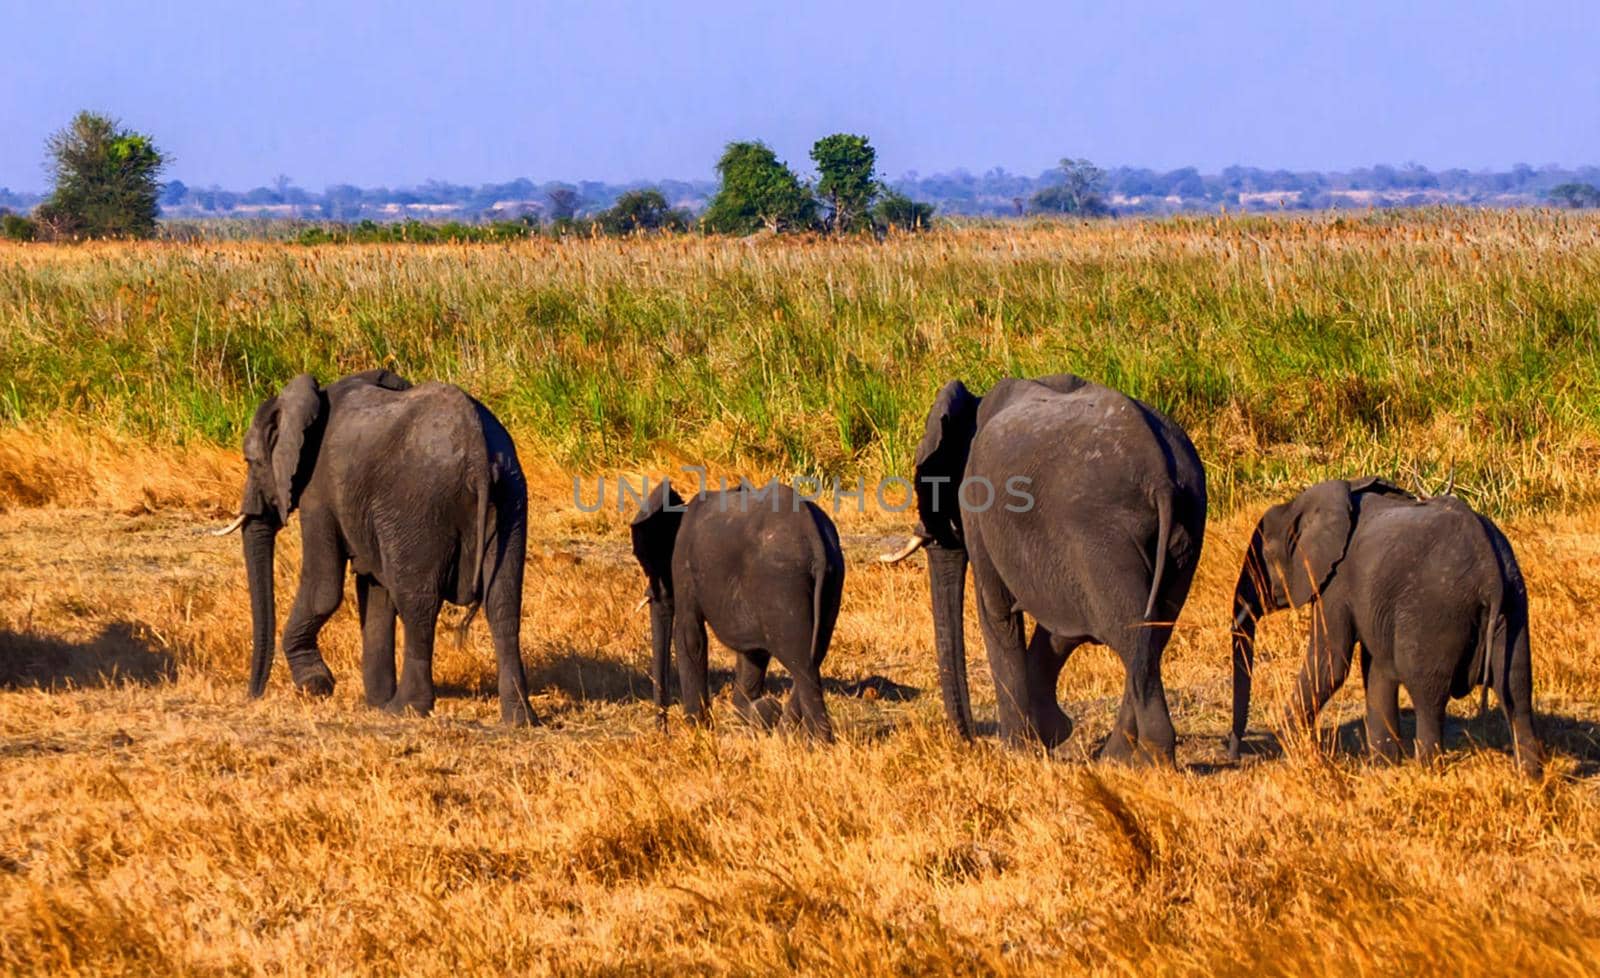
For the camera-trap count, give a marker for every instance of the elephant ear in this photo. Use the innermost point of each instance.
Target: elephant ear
(299, 406)
(941, 460)
(655, 531)
(1319, 524)
(1377, 485)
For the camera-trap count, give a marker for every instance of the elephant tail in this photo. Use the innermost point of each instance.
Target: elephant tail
(479, 585)
(819, 581)
(1494, 602)
(1486, 675)
(1163, 538)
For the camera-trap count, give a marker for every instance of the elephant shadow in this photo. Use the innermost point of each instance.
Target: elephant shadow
(1562, 734)
(590, 676)
(118, 656)
(873, 687)
(578, 674)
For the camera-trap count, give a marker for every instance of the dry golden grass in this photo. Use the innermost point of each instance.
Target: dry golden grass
(155, 821)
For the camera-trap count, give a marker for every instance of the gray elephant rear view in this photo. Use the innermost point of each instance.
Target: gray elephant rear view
(1104, 552)
(765, 571)
(1430, 590)
(418, 490)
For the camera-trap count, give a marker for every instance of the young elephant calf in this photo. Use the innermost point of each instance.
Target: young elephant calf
(1430, 590)
(765, 571)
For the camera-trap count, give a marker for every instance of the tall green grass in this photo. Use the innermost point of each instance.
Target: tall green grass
(1290, 349)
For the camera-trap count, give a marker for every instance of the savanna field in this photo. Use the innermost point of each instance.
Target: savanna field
(154, 820)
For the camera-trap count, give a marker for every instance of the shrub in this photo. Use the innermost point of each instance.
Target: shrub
(896, 210)
(15, 227)
(639, 211)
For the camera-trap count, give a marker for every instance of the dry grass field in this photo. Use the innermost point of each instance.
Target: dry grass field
(153, 820)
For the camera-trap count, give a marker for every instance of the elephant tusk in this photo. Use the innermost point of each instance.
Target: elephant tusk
(917, 543)
(238, 521)
(642, 602)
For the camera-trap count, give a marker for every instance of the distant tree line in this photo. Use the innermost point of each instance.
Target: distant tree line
(1079, 187)
(106, 185)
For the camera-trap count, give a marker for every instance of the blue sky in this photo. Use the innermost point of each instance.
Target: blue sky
(487, 90)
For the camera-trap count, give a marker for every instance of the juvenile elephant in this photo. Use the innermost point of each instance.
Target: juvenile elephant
(1079, 506)
(765, 571)
(418, 490)
(1429, 589)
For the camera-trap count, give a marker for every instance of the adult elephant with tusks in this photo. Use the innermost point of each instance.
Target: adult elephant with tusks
(1078, 506)
(418, 490)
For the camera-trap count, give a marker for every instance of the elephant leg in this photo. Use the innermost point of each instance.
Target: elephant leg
(414, 694)
(1047, 654)
(806, 705)
(690, 638)
(502, 609)
(1124, 730)
(377, 640)
(1327, 664)
(791, 643)
(1005, 641)
(750, 688)
(1429, 702)
(321, 590)
(1155, 738)
(1383, 709)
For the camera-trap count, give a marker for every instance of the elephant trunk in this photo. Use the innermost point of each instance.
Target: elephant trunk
(260, 540)
(1247, 608)
(947, 583)
(661, 615)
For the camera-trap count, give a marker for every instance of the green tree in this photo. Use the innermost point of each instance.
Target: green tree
(896, 210)
(106, 180)
(1080, 191)
(758, 190)
(845, 179)
(641, 210)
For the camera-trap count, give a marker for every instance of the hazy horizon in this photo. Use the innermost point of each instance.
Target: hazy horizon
(396, 94)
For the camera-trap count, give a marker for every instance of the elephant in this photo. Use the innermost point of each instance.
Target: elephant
(765, 570)
(1097, 541)
(418, 490)
(1429, 589)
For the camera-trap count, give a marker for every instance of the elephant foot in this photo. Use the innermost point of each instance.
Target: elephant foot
(765, 713)
(518, 714)
(313, 678)
(1118, 747)
(1235, 747)
(1531, 766)
(418, 706)
(1150, 753)
(379, 694)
